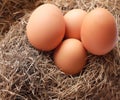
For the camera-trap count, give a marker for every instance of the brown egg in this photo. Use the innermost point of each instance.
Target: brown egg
(46, 27)
(70, 56)
(98, 31)
(73, 21)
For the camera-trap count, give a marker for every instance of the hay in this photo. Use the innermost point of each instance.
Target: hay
(11, 11)
(28, 74)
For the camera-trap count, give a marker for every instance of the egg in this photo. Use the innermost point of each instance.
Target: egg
(70, 56)
(99, 32)
(73, 21)
(46, 27)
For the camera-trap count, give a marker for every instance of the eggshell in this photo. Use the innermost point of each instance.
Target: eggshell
(46, 27)
(70, 56)
(98, 31)
(73, 21)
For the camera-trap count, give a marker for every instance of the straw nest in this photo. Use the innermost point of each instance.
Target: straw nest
(28, 74)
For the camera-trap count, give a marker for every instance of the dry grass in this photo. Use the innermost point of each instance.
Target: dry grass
(28, 74)
(11, 11)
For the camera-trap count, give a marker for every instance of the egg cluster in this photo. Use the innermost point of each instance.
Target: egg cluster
(71, 36)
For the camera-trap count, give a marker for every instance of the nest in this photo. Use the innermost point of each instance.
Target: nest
(29, 74)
